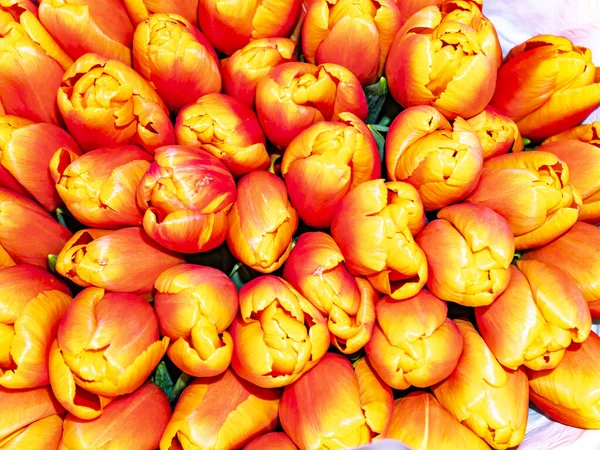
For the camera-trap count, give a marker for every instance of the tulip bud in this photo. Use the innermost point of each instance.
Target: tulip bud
(278, 335)
(409, 7)
(295, 95)
(546, 85)
(497, 133)
(124, 260)
(261, 222)
(195, 305)
(588, 133)
(414, 343)
(274, 440)
(105, 103)
(225, 128)
(531, 190)
(221, 412)
(442, 161)
(336, 406)
(371, 226)
(140, 10)
(242, 70)
(107, 345)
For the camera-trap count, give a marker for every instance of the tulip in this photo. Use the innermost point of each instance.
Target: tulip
(28, 234)
(356, 35)
(497, 133)
(414, 343)
(409, 7)
(227, 129)
(195, 305)
(418, 420)
(546, 85)
(124, 260)
(278, 335)
(336, 406)
(89, 26)
(261, 222)
(570, 393)
(275, 440)
(476, 269)
(316, 269)
(371, 226)
(295, 95)
(107, 345)
(105, 103)
(231, 25)
(220, 412)
(25, 152)
(186, 194)
(446, 57)
(588, 133)
(242, 70)
(481, 394)
(442, 161)
(99, 188)
(132, 422)
(140, 10)
(32, 303)
(531, 190)
(176, 58)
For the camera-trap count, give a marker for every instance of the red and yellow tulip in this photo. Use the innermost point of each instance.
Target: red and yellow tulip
(497, 133)
(275, 440)
(588, 133)
(140, 10)
(409, 7)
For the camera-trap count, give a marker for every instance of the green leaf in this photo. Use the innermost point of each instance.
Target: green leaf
(52, 263)
(60, 217)
(376, 95)
(182, 382)
(380, 140)
(526, 141)
(236, 276)
(163, 379)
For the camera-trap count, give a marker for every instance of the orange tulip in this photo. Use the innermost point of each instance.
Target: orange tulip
(140, 10)
(32, 303)
(531, 190)
(220, 412)
(336, 406)
(176, 58)
(409, 7)
(418, 420)
(446, 57)
(107, 345)
(497, 133)
(546, 85)
(133, 422)
(28, 234)
(316, 269)
(105, 103)
(232, 24)
(489, 399)
(195, 305)
(274, 440)
(371, 226)
(25, 152)
(570, 393)
(278, 335)
(442, 161)
(225, 128)
(124, 260)
(261, 222)
(414, 343)
(295, 95)
(588, 133)
(89, 26)
(242, 70)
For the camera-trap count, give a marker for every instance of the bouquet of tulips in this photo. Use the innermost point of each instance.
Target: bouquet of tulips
(289, 224)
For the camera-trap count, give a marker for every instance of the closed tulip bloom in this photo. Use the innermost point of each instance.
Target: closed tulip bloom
(588, 133)
(195, 305)
(497, 133)
(220, 412)
(316, 269)
(409, 7)
(546, 85)
(371, 227)
(278, 335)
(89, 26)
(262, 222)
(133, 422)
(442, 161)
(186, 194)
(276, 440)
(335, 405)
(99, 188)
(225, 128)
(295, 95)
(414, 343)
(107, 345)
(489, 399)
(124, 260)
(25, 152)
(106, 103)
(140, 10)
(532, 191)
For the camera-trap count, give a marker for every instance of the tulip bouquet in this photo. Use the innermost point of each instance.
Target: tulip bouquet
(295, 225)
